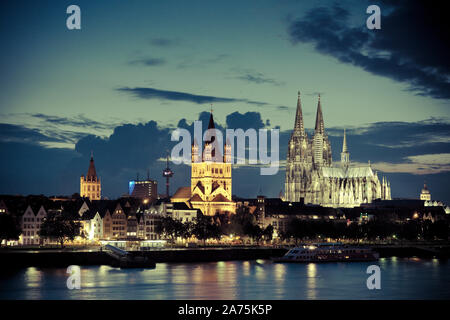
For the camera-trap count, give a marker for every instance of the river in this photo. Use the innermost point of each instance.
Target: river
(401, 278)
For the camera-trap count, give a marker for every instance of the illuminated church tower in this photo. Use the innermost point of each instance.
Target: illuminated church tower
(211, 176)
(90, 186)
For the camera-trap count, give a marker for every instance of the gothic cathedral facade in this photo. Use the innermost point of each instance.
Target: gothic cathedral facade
(311, 176)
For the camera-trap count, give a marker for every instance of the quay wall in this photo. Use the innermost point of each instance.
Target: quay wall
(10, 258)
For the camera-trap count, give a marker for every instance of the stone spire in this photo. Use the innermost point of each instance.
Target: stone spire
(320, 128)
(211, 150)
(211, 121)
(299, 126)
(345, 155)
(344, 143)
(92, 174)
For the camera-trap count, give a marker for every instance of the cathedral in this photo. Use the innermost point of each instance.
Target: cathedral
(210, 189)
(312, 177)
(90, 186)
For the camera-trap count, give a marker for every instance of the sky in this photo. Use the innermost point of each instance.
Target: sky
(139, 69)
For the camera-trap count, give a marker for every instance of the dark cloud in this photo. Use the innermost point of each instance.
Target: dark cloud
(149, 62)
(77, 121)
(204, 118)
(393, 141)
(18, 133)
(411, 47)
(28, 167)
(152, 93)
(244, 121)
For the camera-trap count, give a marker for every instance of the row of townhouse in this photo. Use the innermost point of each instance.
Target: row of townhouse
(122, 219)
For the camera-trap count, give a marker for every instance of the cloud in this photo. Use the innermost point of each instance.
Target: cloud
(149, 62)
(31, 167)
(244, 121)
(152, 93)
(18, 133)
(76, 121)
(258, 78)
(164, 42)
(422, 63)
(419, 164)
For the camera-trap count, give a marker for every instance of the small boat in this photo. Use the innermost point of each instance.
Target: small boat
(133, 261)
(124, 259)
(328, 252)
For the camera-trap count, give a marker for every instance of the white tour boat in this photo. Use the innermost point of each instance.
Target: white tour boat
(328, 252)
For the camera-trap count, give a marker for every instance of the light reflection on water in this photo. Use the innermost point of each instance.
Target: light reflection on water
(311, 281)
(261, 279)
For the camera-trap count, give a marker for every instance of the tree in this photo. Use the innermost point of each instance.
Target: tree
(187, 230)
(59, 228)
(9, 228)
(170, 228)
(268, 232)
(243, 223)
(204, 228)
(254, 231)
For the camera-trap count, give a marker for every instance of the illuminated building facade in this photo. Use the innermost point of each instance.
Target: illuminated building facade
(312, 178)
(211, 177)
(143, 189)
(90, 186)
(425, 194)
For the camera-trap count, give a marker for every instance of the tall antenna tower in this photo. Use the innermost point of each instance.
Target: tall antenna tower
(167, 173)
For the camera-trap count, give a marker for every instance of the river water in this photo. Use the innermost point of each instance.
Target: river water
(258, 279)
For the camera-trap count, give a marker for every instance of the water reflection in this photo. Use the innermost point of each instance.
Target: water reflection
(401, 279)
(279, 275)
(311, 281)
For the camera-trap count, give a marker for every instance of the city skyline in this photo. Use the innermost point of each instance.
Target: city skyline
(113, 88)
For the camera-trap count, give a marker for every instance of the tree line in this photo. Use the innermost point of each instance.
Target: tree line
(375, 229)
(242, 224)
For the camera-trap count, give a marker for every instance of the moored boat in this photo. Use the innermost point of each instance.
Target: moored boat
(328, 252)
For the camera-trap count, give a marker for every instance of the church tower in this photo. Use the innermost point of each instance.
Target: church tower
(345, 155)
(211, 175)
(425, 193)
(90, 186)
(320, 143)
(299, 158)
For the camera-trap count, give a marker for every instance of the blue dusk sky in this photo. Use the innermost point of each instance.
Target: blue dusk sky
(138, 69)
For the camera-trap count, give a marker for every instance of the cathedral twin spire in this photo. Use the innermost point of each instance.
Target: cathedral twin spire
(320, 128)
(299, 124)
(299, 117)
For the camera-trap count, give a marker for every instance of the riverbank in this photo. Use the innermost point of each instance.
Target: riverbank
(12, 258)
(62, 258)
